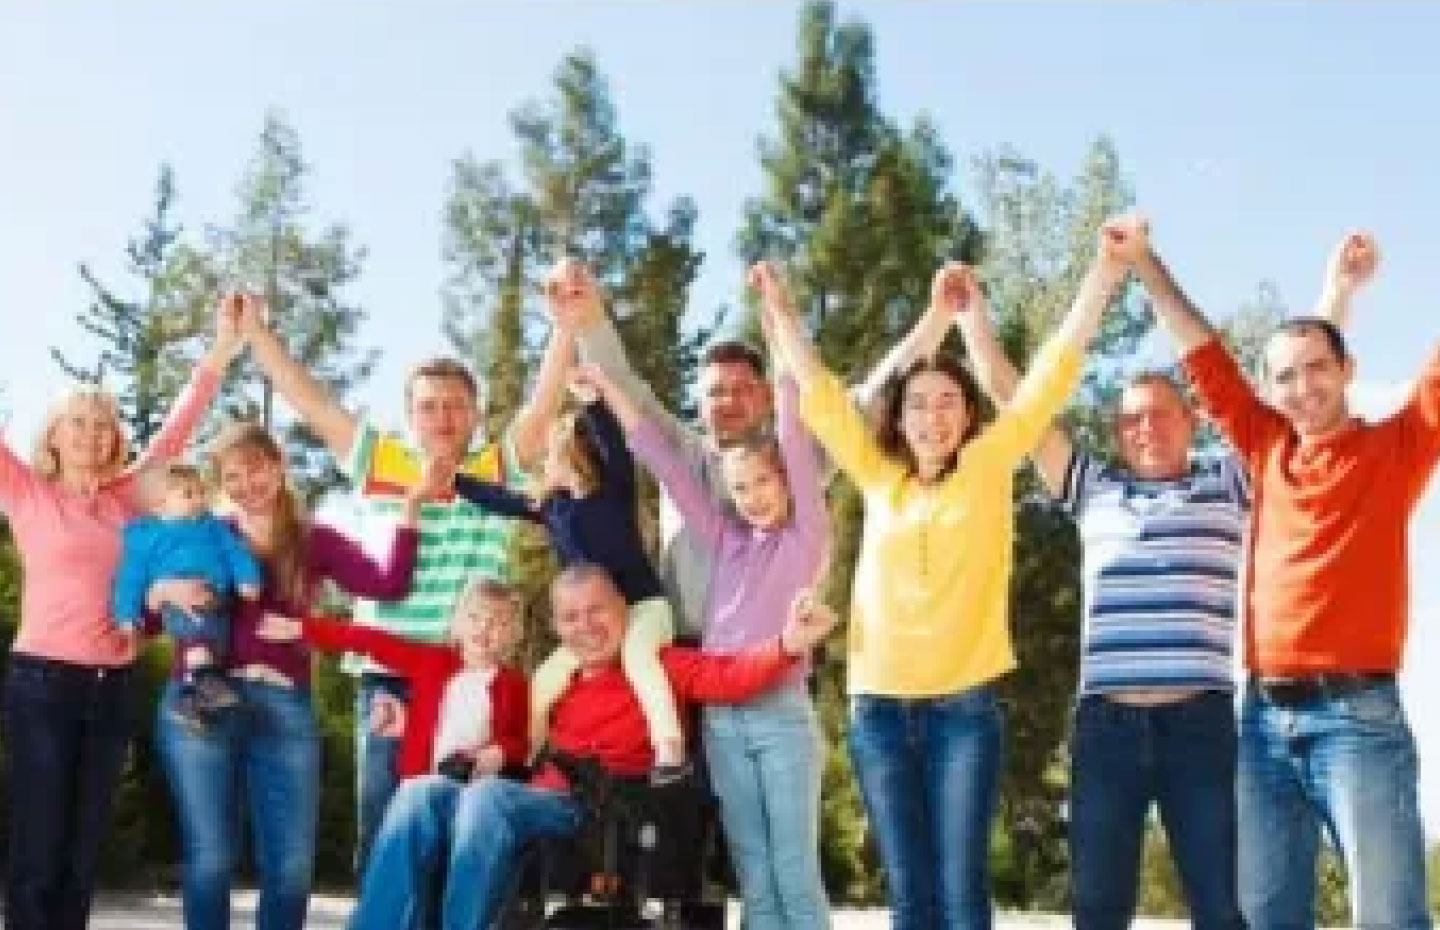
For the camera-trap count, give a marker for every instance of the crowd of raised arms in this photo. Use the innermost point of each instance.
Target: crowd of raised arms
(1289, 545)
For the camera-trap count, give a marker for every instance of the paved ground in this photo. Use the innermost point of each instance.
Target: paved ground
(326, 913)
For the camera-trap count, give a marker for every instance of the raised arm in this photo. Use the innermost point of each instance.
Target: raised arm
(826, 408)
(578, 304)
(531, 426)
(1185, 324)
(1042, 392)
(617, 465)
(1351, 265)
(660, 452)
(311, 399)
(923, 340)
(189, 408)
(957, 291)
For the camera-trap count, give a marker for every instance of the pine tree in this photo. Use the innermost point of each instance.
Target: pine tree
(143, 336)
(272, 248)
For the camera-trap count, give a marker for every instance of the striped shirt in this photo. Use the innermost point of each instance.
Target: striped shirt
(457, 539)
(1161, 568)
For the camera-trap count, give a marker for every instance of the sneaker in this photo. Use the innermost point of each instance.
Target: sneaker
(213, 692)
(664, 775)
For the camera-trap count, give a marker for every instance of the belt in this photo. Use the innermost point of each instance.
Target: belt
(69, 671)
(1290, 690)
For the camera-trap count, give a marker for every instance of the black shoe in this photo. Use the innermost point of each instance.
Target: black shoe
(664, 775)
(212, 692)
(456, 766)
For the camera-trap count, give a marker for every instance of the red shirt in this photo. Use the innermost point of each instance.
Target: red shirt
(1327, 585)
(599, 716)
(430, 667)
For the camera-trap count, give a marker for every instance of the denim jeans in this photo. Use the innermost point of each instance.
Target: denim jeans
(67, 732)
(1181, 757)
(260, 761)
(376, 761)
(1344, 763)
(929, 771)
(766, 759)
(471, 833)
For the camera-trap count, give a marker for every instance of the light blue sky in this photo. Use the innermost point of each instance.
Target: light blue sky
(1254, 134)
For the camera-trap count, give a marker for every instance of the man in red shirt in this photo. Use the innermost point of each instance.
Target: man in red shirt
(1324, 742)
(477, 830)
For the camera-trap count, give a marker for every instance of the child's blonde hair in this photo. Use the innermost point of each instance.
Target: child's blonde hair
(44, 458)
(484, 588)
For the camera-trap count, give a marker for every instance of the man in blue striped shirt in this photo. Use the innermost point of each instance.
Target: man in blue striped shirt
(1162, 537)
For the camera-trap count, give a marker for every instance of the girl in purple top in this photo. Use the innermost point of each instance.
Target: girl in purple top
(268, 747)
(765, 756)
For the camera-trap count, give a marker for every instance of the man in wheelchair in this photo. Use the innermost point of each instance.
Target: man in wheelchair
(475, 838)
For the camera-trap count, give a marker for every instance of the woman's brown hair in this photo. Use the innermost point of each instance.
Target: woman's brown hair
(582, 452)
(284, 558)
(889, 434)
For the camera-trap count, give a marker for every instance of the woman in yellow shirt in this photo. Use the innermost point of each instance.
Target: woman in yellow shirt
(929, 628)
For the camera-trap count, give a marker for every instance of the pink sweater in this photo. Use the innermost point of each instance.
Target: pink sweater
(70, 545)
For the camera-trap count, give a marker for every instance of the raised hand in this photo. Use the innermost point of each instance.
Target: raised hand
(1352, 262)
(573, 295)
(230, 335)
(1124, 242)
(766, 278)
(955, 290)
(810, 621)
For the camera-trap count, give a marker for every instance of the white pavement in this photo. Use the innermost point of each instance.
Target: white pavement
(329, 913)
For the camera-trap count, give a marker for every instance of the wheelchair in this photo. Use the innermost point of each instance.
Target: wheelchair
(638, 862)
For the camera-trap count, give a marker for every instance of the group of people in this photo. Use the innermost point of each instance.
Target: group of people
(1296, 539)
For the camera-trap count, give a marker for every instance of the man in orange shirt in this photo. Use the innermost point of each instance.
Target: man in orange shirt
(1323, 735)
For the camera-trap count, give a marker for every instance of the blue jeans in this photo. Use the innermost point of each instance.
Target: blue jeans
(766, 759)
(265, 755)
(208, 628)
(377, 761)
(471, 833)
(1180, 756)
(929, 771)
(1345, 763)
(67, 731)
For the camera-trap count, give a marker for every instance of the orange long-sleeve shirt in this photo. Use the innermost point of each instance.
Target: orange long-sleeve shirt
(1327, 583)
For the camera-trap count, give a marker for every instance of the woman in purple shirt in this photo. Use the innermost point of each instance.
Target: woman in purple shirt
(765, 756)
(268, 746)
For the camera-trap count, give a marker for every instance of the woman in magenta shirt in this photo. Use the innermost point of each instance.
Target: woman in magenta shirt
(260, 763)
(67, 697)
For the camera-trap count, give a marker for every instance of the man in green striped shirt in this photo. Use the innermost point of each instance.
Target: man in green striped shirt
(457, 539)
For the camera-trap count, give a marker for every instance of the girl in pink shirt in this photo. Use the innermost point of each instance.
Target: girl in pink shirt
(67, 693)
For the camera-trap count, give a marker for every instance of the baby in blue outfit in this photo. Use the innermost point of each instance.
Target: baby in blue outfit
(183, 539)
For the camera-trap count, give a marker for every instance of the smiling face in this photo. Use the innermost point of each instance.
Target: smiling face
(486, 628)
(934, 419)
(252, 476)
(1306, 378)
(755, 480)
(1154, 427)
(734, 396)
(82, 436)
(443, 411)
(590, 617)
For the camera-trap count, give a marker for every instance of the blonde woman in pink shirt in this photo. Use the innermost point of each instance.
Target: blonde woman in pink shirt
(67, 701)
